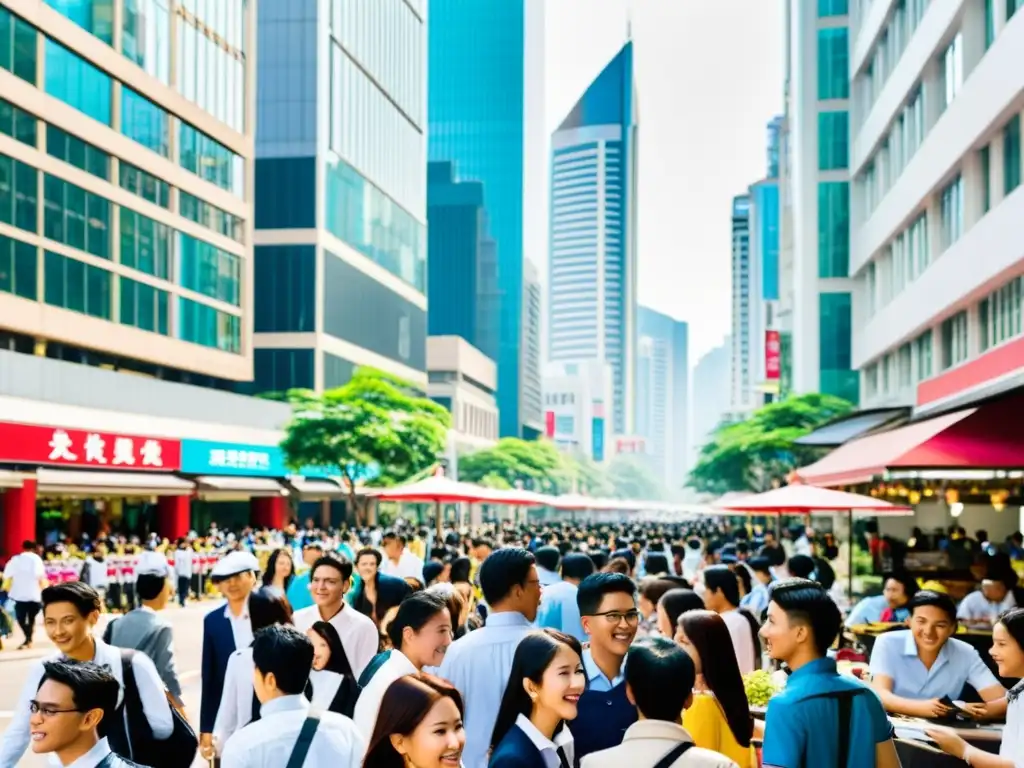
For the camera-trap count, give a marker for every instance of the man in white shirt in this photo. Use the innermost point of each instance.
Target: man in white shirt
(983, 607)
(722, 595)
(283, 657)
(329, 580)
(27, 576)
(399, 561)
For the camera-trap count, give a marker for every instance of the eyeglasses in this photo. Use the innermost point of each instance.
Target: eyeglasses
(47, 710)
(617, 617)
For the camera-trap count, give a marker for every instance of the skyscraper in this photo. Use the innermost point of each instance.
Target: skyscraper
(486, 114)
(592, 285)
(710, 395)
(341, 193)
(742, 383)
(532, 397)
(663, 395)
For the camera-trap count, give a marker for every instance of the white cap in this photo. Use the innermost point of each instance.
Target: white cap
(234, 563)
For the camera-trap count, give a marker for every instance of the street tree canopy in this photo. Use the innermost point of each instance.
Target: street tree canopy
(753, 454)
(631, 479)
(536, 465)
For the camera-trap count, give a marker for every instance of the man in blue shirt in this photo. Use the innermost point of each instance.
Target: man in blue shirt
(547, 565)
(820, 716)
(891, 605)
(558, 608)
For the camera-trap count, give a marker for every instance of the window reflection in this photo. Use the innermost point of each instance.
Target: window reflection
(211, 58)
(76, 217)
(208, 270)
(94, 16)
(146, 36)
(209, 327)
(18, 194)
(77, 83)
(143, 306)
(75, 285)
(209, 159)
(18, 268)
(17, 46)
(145, 244)
(144, 122)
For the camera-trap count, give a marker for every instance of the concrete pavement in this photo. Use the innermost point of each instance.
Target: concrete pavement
(188, 640)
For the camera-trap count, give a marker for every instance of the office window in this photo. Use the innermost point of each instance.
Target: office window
(905, 366)
(143, 306)
(285, 288)
(144, 122)
(78, 153)
(145, 185)
(951, 69)
(278, 370)
(77, 83)
(990, 23)
(833, 229)
(75, 217)
(833, 140)
(338, 371)
(145, 244)
(202, 324)
(209, 159)
(833, 63)
(923, 352)
(1011, 155)
(75, 285)
(18, 268)
(871, 380)
(871, 287)
(565, 425)
(19, 196)
(210, 216)
(834, 347)
(211, 58)
(1012, 6)
(984, 160)
(146, 36)
(208, 270)
(952, 209)
(832, 8)
(955, 347)
(17, 123)
(17, 46)
(94, 16)
(999, 314)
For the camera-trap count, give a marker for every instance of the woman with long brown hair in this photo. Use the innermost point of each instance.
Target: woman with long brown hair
(419, 725)
(719, 717)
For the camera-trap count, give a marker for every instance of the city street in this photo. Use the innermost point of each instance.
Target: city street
(188, 640)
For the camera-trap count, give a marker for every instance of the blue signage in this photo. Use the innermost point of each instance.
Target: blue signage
(597, 428)
(205, 457)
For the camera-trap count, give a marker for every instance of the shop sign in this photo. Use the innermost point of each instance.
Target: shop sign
(772, 355)
(206, 457)
(83, 448)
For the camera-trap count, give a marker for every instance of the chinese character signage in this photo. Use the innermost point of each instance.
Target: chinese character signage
(772, 355)
(90, 449)
(205, 457)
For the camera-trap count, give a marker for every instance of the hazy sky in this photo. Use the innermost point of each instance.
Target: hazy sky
(709, 77)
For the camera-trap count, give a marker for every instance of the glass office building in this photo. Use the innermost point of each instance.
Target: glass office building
(341, 192)
(125, 185)
(592, 282)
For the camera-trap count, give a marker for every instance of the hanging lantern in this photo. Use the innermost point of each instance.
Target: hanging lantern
(914, 497)
(952, 496)
(998, 499)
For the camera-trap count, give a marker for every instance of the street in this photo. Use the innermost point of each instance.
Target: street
(188, 640)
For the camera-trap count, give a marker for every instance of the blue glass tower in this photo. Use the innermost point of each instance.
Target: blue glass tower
(592, 286)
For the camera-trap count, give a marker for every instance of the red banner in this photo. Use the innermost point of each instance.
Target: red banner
(57, 446)
(549, 423)
(772, 355)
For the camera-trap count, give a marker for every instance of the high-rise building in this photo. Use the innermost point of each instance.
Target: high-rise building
(936, 249)
(710, 402)
(341, 193)
(486, 115)
(592, 284)
(663, 395)
(742, 383)
(530, 374)
(462, 278)
(817, 307)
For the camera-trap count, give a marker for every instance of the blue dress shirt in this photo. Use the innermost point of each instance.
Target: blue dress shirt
(895, 656)
(596, 679)
(867, 611)
(478, 664)
(558, 610)
(756, 601)
(796, 724)
(547, 578)
(298, 593)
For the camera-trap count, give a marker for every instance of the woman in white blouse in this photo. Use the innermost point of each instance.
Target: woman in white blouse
(332, 686)
(1008, 652)
(238, 703)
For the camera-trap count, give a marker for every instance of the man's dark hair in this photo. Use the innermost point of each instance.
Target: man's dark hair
(800, 566)
(577, 566)
(92, 686)
(593, 589)
(910, 586)
(548, 557)
(806, 602)
(28, 545)
(393, 536)
(376, 555)
(85, 599)
(483, 543)
(760, 565)
(656, 563)
(287, 653)
(149, 586)
(649, 663)
(503, 570)
(927, 597)
(721, 578)
(344, 567)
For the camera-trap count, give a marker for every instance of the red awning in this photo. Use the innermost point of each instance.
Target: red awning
(986, 437)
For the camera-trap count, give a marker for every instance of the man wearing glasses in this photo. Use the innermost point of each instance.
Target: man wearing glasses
(608, 611)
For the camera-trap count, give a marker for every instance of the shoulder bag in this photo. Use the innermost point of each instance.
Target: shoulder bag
(298, 756)
(674, 754)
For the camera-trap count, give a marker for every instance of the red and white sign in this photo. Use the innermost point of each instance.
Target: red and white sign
(56, 446)
(630, 445)
(549, 423)
(772, 355)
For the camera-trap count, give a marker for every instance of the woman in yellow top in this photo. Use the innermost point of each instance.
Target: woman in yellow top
(719, 717)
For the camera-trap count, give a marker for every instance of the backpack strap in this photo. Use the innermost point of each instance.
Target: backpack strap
(131, 700)
(304, 742)
(674, 754)
(844, 700)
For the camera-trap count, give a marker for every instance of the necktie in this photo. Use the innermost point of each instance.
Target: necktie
(562, 759)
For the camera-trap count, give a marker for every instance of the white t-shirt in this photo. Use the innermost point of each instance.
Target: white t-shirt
(25, 572)
(359, 635)
(742, 639)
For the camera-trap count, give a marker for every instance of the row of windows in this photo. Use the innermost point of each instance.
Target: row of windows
(202, 324)
(146, 244)
(75, 285)
(94, 16)
(212, 75)
(18, 268)
(902, 262)
(895, 372)
(833, 140)
(833, 63)
(897, 148)
(835, 326)
(72, 150)
(75, 217)
(951, 210)
(209, 159)
(951, 70)
(17, 46)
(78, 83)
(210, 216)
(999, 315)
(833, 229)
(145, 185)
(17, 123)
(903, 21)
(144, 307)
(18, 194)
(208, 270)
(955, 340)
(144, 122)
(146, 36)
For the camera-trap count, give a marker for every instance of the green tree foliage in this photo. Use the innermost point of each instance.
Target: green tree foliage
(537, 465)
(630, 478)
(751, 455)
(377, 422)
(587, 477)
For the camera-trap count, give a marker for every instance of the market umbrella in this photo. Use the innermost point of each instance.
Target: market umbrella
(437, 490)
(799, 499)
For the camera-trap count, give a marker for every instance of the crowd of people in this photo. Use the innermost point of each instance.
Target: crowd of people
(549, 647)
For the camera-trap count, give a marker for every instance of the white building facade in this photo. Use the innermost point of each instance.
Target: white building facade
(464, 380)
(741, 386)
(576, 403)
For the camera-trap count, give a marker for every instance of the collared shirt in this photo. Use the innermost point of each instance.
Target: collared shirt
(976, 607)
(183, 562)
(241, 626)
(478, 665)
(756, 600)
(358, 633)
(802, 730)
(1012, 747)
(408, 566)
(325, 687)
(895, 656)
(548, 748)
(151, 692)
(268, 743)
(25, 572)
(298, 593)
(558, 610)
(742, 635)
(867, 611)
(596, 679)
(93, 757)
(235, 710)
(547, 578)
(368, 704)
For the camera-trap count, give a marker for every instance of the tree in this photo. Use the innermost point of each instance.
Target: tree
(377, 427)
(586, 476)
(754, 454)
(631, 479)
(534, 464)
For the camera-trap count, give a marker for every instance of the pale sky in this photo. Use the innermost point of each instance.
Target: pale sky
(709, 77)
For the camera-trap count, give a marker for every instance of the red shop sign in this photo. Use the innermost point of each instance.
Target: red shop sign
(772, 355)
(57, 446)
